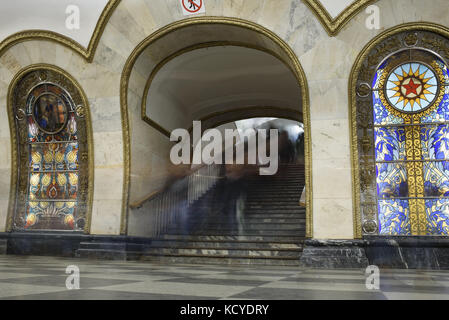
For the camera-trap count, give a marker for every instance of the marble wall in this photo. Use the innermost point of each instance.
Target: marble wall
(327, 62)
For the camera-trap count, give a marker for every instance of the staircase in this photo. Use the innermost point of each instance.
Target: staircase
(253, 220)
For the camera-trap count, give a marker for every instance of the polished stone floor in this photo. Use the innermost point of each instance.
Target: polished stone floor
(45, 278)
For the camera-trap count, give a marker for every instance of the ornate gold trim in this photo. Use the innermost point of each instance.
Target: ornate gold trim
(14, 143)
(88, 54)
(297, 71)
(356, 69)
(161, 64)
(331, 25)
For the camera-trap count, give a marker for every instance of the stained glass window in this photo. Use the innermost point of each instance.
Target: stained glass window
(411, 134)
(53, 188)
(53, 162)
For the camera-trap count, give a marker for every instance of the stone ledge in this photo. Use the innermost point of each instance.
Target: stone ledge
(3, 246)
(408, 253)
(333, 254)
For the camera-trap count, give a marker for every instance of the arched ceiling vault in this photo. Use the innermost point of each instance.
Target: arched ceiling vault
(216, 78)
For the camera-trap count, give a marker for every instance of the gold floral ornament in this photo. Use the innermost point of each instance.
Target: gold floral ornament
(36, 157)
(44, 205)
(73, 179)
(48, 156)
(33, 204)
(59, 205)
(31, 220)
(34, 181)
(62, 179)
(46, 179)
(72, 156)
(69, 220)
(70, 205)
(59, 157)
(80, 112)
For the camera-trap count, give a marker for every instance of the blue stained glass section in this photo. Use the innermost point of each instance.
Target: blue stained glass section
(436, 179)
(391, 180)
(394, 217)
(435, 142)
(381, 115)
(440, 114)
(437, 212)
(390, 144)
(445, 70)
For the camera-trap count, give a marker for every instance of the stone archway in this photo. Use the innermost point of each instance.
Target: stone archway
(196, 32)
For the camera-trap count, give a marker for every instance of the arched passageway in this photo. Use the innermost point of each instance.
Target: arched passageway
(216, 71)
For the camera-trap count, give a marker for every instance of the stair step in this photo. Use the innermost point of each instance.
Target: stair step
(236, 227)
(273, 206)
(238, 253)
(275, 216)
(111, 246)
(102, 254)
(225, 260)
(273, 211)
(270, 231)
(238, 238)
(225, 245)
(292, 233)
(248, 220)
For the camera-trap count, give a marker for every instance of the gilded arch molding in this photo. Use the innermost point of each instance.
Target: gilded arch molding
(87, 53)
(334, 25)
(292, 62)
(384, 48)
(81, 97)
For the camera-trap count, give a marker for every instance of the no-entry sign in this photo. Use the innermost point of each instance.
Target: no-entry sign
(190, 7)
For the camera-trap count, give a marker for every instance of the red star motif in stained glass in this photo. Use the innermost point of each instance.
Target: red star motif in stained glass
(411, 87)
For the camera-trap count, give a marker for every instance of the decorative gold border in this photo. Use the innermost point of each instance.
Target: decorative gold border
(88, 54)
(296, 69)
(334, 26)
(14, 145)
(413, 26)
(160, 65)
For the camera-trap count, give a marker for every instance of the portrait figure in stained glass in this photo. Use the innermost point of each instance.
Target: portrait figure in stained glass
(50, 113)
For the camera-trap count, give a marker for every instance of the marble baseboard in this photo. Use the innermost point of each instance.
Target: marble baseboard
(426, 253)
(3, 246)
(333, 254)
(60, 244)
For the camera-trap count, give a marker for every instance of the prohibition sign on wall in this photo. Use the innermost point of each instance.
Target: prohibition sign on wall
(190, 7)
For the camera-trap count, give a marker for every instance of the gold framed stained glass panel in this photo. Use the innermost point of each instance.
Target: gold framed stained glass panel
(402, 121)
(53, 189)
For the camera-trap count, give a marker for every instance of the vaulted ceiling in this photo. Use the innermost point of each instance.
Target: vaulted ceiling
(20, 15)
